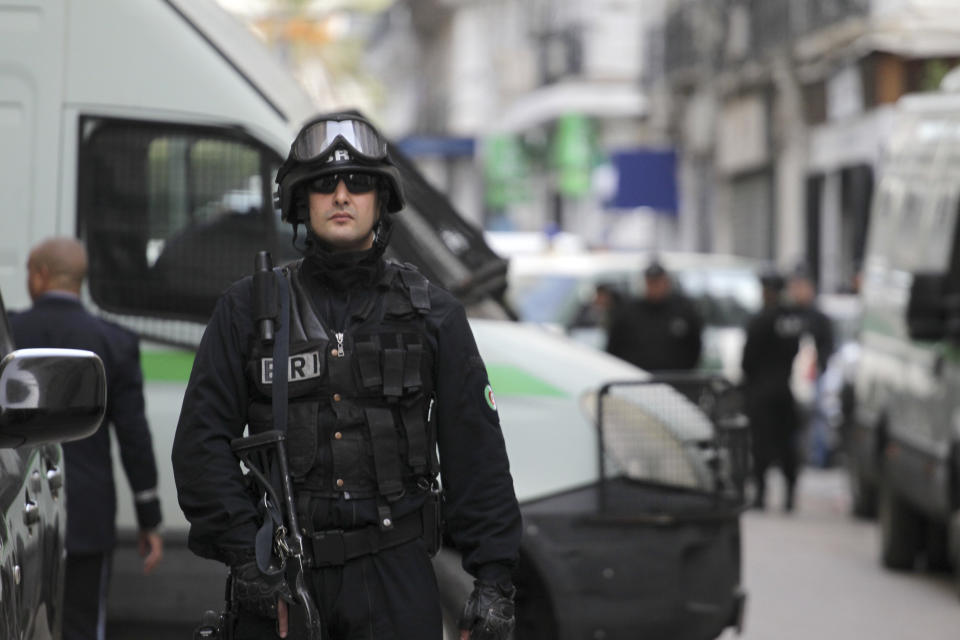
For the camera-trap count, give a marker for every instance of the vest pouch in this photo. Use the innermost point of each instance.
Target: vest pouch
(301, 432)
(302, 427)
(352, 464)
(259, 417)
(384, 440)
(368, 359)
(412, 414)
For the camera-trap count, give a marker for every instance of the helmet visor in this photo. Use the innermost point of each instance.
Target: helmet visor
(319, 139)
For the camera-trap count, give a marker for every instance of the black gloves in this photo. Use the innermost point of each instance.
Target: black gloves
(257, 592)
(488, 613)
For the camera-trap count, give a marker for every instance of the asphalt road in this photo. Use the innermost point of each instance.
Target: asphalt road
(815, 574)
(810, 575)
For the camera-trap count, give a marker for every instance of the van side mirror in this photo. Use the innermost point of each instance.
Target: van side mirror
(50, 395)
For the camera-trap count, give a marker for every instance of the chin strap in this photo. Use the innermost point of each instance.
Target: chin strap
(382, 232)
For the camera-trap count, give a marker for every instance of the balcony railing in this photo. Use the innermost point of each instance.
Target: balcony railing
(811, 15)
(779, 22)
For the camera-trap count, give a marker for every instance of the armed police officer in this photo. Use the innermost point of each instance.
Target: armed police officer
(772, 342)
(383, 372)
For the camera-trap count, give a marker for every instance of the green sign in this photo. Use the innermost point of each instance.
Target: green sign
(504, 170)
(573, 154)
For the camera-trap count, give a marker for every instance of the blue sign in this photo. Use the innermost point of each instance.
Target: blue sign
(645, 178)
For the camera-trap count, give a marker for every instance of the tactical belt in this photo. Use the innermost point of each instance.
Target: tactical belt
(335, 546)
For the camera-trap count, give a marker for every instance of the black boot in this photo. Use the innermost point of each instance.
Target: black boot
(788, 503)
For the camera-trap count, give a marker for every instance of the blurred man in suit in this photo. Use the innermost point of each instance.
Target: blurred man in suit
(55, 272)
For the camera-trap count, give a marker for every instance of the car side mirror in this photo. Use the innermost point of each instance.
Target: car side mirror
(50, 395)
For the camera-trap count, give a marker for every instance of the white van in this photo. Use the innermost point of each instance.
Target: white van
(152, 130)
(905, 444)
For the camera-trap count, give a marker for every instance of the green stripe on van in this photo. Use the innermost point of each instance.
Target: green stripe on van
(506, 380)
(166, 366)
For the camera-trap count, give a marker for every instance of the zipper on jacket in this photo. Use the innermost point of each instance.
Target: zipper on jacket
(339, 337)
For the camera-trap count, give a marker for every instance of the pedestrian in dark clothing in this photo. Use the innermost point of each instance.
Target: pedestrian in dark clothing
(56, 269)
(772, 342)
(660, 331)
(384, 371)
(597, 311)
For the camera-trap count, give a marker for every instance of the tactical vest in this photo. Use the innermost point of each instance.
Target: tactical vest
(361, 418)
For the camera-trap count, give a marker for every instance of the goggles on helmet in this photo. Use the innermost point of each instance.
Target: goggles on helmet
(355, 182)
(319, 139)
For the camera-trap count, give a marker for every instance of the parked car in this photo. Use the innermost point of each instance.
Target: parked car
(550, 289)
(47, 396)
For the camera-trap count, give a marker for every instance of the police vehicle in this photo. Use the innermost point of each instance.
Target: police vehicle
(905, 443)
(153, 130)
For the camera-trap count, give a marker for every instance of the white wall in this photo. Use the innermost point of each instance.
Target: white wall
(613, 40)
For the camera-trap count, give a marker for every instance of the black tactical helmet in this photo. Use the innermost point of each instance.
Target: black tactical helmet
(772, 279)
(334, 143)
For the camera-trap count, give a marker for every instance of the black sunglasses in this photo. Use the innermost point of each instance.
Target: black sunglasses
(355, 183)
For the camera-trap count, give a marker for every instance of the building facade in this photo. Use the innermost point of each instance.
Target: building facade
(549, 93)
(779, 108)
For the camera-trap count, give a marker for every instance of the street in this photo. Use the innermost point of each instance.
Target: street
(810, 575)
(815, 574)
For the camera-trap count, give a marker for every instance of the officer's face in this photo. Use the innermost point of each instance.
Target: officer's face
(658, 287)
(801, 291)
(344, 220)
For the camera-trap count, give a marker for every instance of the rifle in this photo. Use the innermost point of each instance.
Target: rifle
(259, 453)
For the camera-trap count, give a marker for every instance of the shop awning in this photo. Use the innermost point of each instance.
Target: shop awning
(595, 99)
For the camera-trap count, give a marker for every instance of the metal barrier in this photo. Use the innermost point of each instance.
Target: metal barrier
(675, 430)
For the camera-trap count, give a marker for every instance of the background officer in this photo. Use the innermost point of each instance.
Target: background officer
(661, 331)
(387, 371)
(772, 342)
(55, 272)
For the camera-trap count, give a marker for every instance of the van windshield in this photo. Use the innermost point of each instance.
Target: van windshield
(724, 297)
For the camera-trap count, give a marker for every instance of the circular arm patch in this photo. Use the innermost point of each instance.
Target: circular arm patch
(488, 396)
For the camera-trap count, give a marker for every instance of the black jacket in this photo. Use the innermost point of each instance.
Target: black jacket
(657, 336)
(481, 511)
(60, 321)
(772, 342)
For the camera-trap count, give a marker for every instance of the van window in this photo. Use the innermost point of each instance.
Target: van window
(883, 225)
(906, 242)
(172, 214)
(937, 233)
